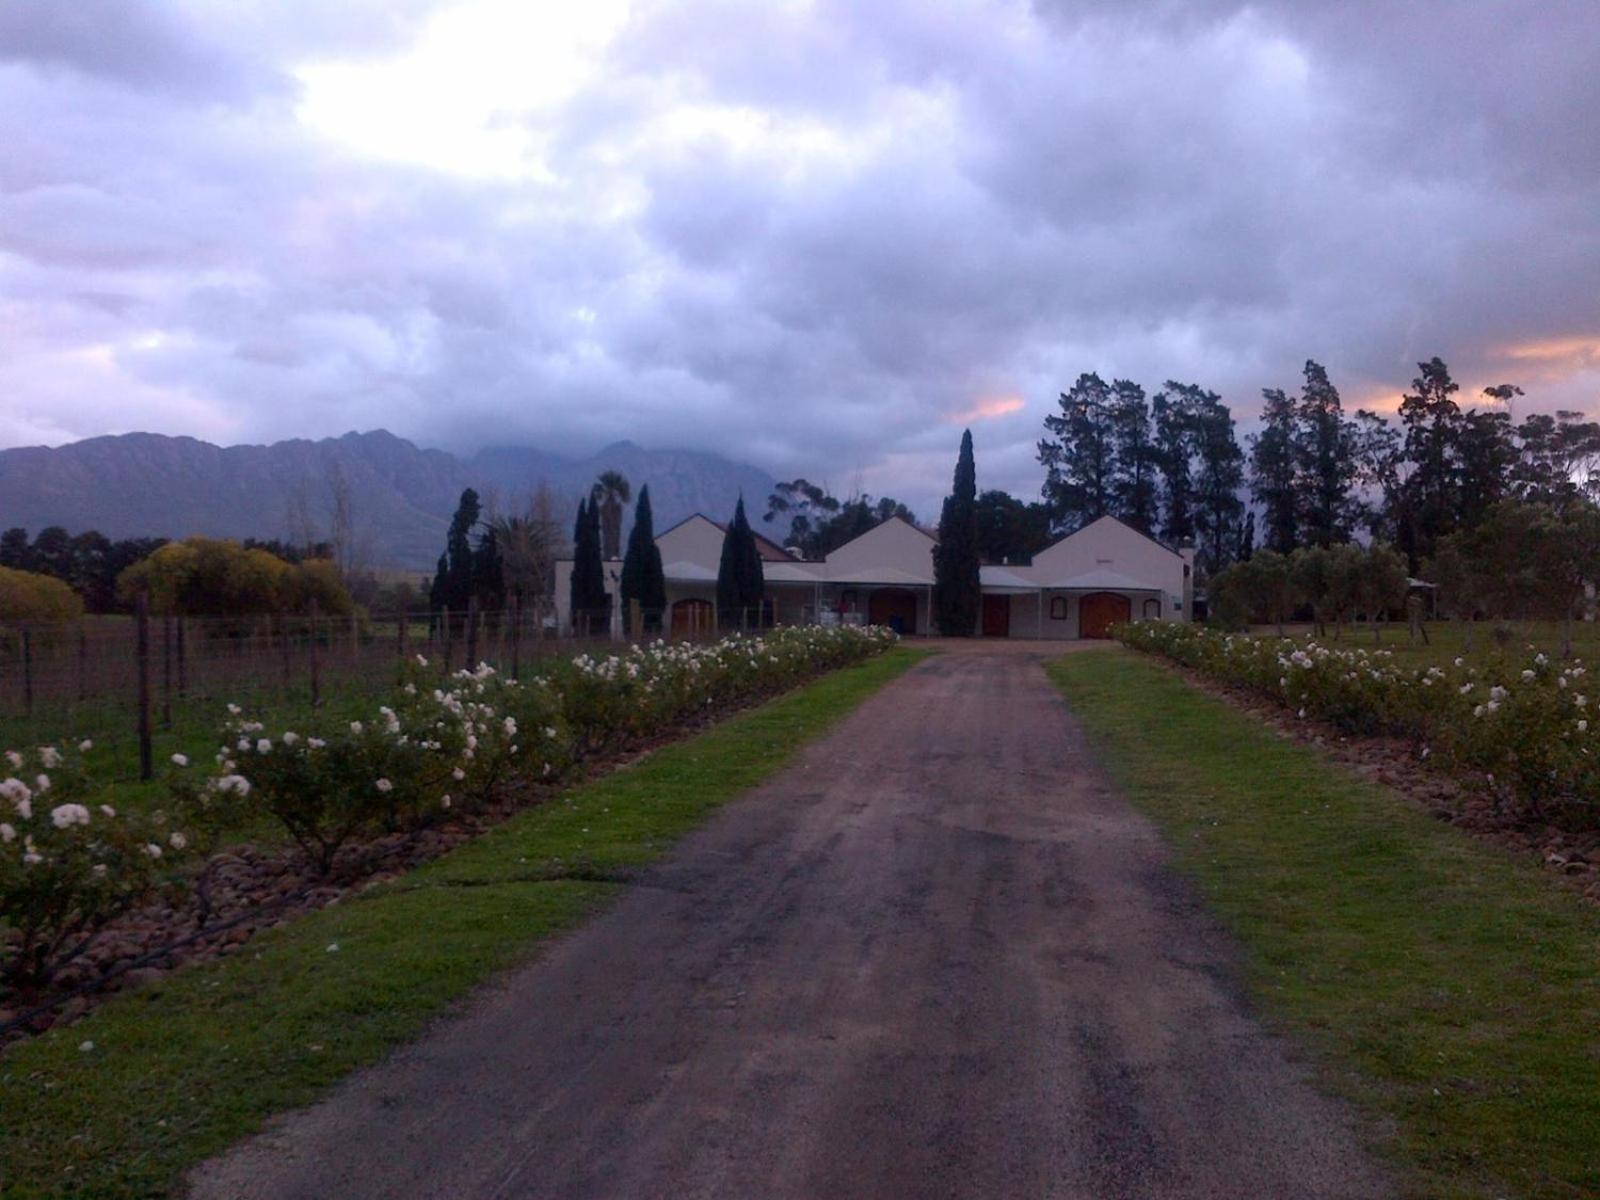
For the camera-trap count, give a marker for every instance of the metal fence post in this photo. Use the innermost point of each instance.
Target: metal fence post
(141, 614)
(516, 635)
(316, 665)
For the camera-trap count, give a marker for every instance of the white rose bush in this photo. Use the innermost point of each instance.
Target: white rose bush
(69, 862)
(1525, 730)
(439, 747)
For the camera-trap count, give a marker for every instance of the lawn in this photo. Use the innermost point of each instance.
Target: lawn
(1448, 989)
(179, 1070)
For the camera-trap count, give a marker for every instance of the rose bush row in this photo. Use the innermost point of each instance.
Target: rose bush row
(1525, 729)
(439, 745)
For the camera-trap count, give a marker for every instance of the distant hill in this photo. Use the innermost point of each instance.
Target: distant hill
(148, 484)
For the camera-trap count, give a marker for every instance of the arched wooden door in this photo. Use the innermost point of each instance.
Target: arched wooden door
(691, 617)
(1099, 611)
(894, 607)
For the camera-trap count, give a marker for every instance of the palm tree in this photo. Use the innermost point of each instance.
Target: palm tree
(611, 491)
(529, 543)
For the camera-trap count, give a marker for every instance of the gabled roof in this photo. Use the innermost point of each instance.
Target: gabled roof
(769, 550)
(1117, 520)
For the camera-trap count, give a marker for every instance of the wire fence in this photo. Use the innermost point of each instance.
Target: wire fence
(129, 678)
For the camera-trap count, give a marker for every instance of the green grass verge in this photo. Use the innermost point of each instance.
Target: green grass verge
(1445, 986)
(181, 1069)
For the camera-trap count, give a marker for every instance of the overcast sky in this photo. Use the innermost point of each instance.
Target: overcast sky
(819, 237)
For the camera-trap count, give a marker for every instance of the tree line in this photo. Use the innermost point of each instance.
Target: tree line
(1172, 466)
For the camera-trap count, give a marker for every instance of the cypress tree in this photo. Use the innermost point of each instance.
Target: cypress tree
(740, 582)
(642, 576)
(588, 593)
(956, 589)
(458, 551)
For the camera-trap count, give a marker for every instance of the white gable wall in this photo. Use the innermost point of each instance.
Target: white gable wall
(1107, 545)
(694, 540)
(894, 544)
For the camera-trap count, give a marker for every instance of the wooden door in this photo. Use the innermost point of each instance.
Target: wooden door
(997, 616)
(691, 617)
(1098, 611)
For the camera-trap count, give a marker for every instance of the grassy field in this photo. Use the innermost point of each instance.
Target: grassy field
(179, 1070)
(1445, 987)
(1477, 640)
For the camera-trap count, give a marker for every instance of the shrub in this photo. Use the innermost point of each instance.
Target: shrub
(28, 596)
(1525, 731)
(69, 864)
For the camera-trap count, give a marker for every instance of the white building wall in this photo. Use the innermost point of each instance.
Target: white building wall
(894, 544)
(694, 540)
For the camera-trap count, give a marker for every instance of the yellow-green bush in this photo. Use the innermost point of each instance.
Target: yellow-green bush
(210, 577)
(27, 596)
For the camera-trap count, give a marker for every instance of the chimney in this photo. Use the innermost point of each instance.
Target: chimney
(1186, 552)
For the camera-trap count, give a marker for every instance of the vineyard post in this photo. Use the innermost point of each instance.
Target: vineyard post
(183, 659)
(141, 616)
(27, 671)
(281, 624)
(83, 663)
(166, 671)
(516, 635)
(316, 664)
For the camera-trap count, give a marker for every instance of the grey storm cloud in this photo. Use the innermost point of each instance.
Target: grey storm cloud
(818, 236)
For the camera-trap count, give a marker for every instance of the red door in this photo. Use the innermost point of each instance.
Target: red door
(1099, 611)
(997, 616)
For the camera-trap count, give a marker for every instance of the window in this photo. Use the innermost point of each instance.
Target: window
(1152, 609)
(1058, 608)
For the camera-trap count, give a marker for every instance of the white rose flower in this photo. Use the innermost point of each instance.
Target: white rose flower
(383, 785)
(8, 834)
(180, 760)
(65, 816)
(177, 841)
(264, 746)
(85, 746)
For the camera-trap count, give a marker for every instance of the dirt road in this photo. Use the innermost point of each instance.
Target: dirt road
(939, 956)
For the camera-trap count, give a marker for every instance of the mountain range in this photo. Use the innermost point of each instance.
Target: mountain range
(402, 496)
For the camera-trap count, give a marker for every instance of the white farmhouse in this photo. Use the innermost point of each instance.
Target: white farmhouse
(1105, 572)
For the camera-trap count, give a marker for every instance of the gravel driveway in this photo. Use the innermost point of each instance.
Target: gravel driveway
(938, 956)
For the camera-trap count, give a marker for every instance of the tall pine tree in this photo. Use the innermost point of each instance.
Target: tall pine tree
(642, 576)
(1327, 446)
(741, 586)
(1080, 459)
(1174, 438)
(957, 591)
(1135, 486)
(1274, 474)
